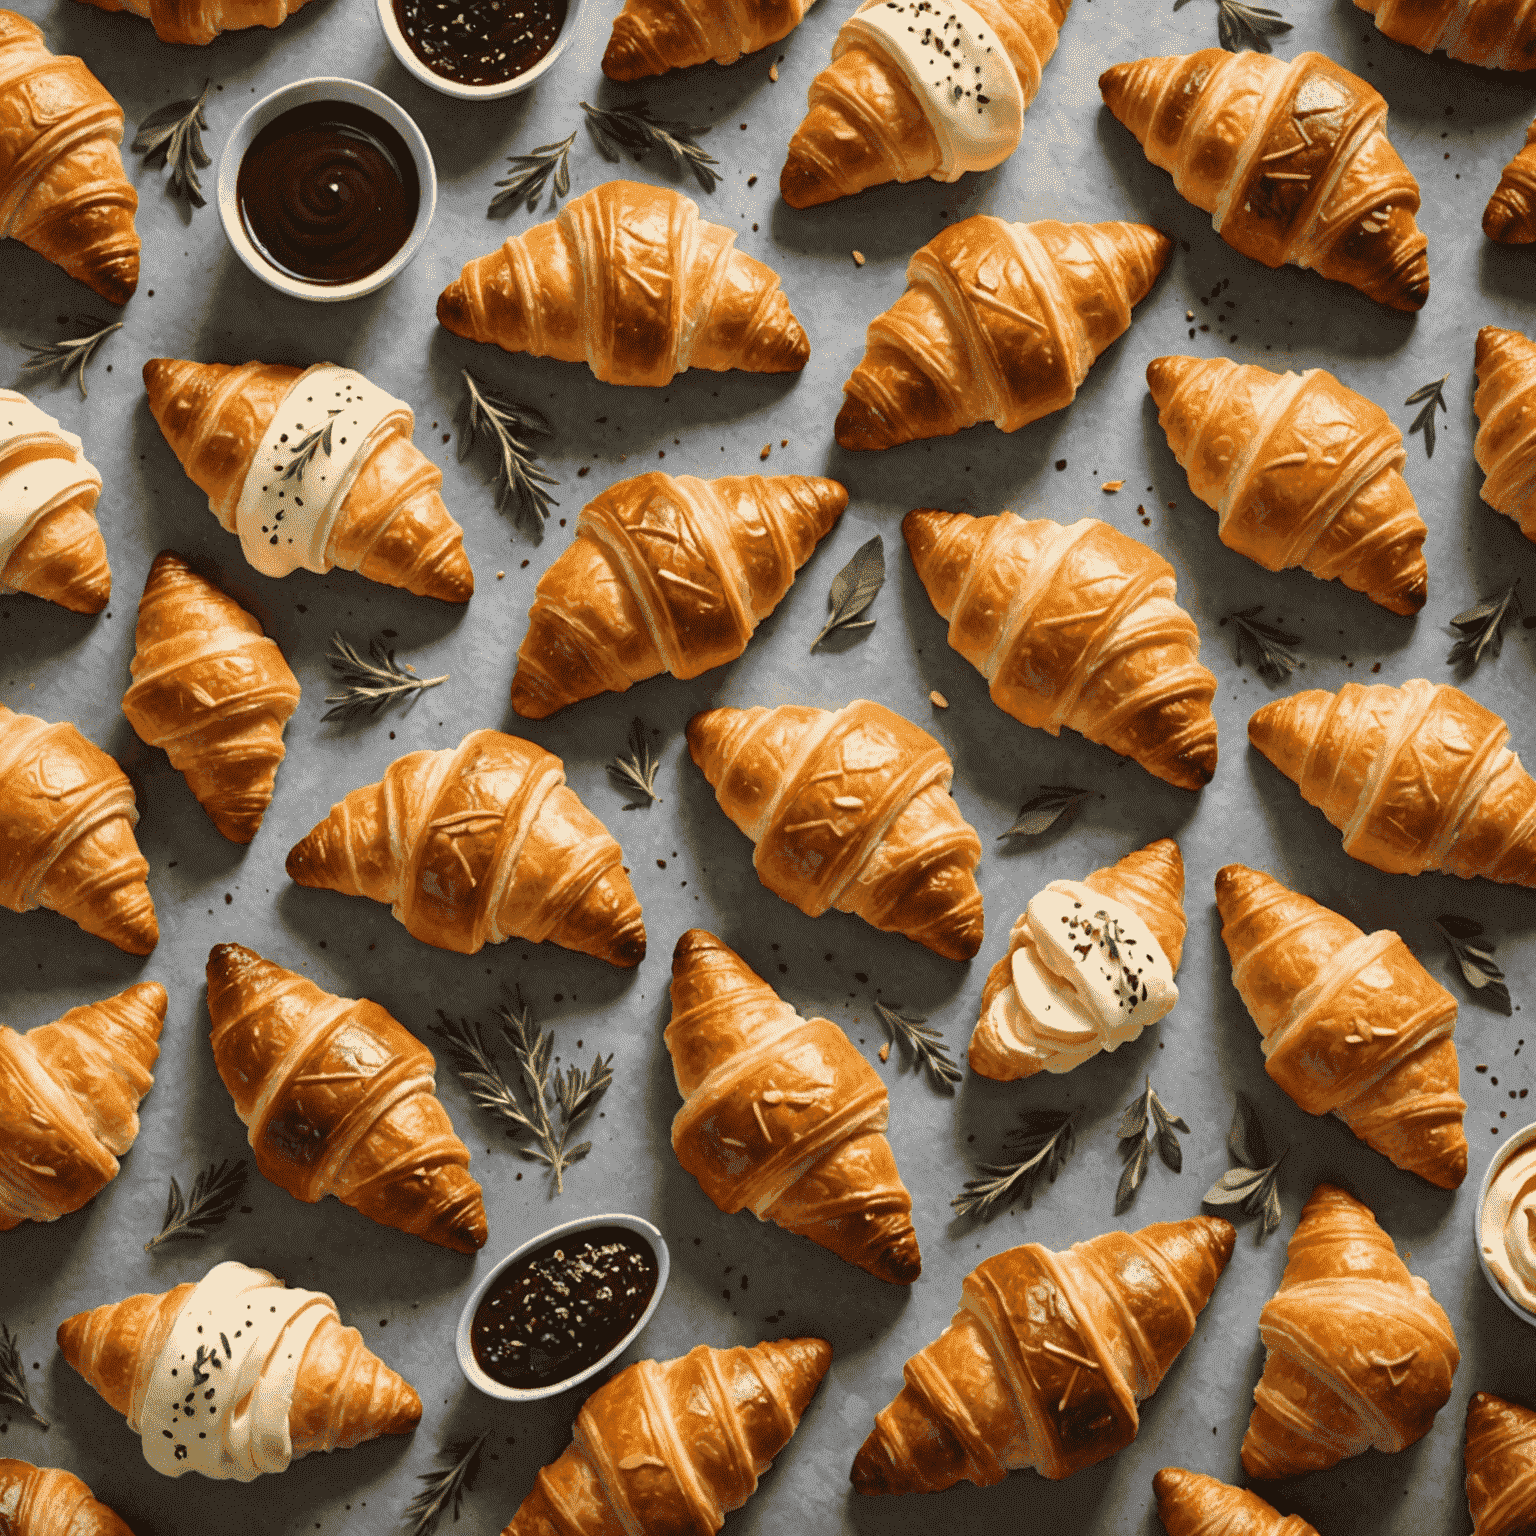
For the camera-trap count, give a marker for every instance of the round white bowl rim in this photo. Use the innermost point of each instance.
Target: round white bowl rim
(467, 1362)
(297, 93)
(1516, 1142)
(503, 88)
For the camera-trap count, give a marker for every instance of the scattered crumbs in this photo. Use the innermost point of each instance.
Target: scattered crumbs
(523, 566)
(1111, 486)
(743, 127)
(937, 699)
(1173, 506)
(885, 1051)
(1061, 464)
(858, 258)
(754, 229)
(783, 442)
(773, 74)
(751, 181)
(586, 469)
(767, 449)
(1189, 314)
(623, 458)
(501, 575)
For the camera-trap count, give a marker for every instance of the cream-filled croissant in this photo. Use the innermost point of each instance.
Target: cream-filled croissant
(1505, 402)
(1500, 1459)
(1074, 626)
(651, 37)
(312, 468)
(1497, 34)
(200, 21)
(275, 1373)
(666, 575)
(1192, 1504)
(1089, 965)
(47, 1501)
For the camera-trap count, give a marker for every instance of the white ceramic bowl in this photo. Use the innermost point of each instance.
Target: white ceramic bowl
(402, 50)
(302, 93)
(1521, 1139)
(467, 1362)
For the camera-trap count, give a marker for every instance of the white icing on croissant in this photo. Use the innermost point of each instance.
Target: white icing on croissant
(42, 467)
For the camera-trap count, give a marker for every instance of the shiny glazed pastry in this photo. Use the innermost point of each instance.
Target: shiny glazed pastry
(200, 21)
(782, 1116)
(1505, 402)
(1352, 1023)
(47, 1501)
(1074, 626)
(631, 281)
(848, 809)
(1000, 322)
(1290, 158)
(1191, 1504)
(339, 1099)
(1498, 34)
(1510, 217)
(312, 468)
(1300, 470)
(1501, 1466)
(69, 1103)
(477, 844)
(666, 575)
(1047, 1359)
(651, 37)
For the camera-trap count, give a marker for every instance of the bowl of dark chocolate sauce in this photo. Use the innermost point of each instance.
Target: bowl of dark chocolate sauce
(478, 50)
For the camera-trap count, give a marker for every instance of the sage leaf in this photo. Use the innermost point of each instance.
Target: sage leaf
(854, 588)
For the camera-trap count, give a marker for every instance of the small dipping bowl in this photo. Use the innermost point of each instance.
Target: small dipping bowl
(1523, 1140)
(502, 88)
(304, 93)
(465, 1349)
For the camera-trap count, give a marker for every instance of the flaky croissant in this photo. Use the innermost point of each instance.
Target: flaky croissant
(1074, 626)
(278, 1374)
(1418, 777)
(1000, 322)
(1192, 1504)
(47, 1501)
(1500, 1460)
(1510, 217)
(69, 1103)
(631, 281)
(651, 37)
(666, 575)
(1290, 158)
(1045, 1362)
(67, 815)
(62, 187)
(1505, 402)
(478, 844)
(1300, 470)
(1359, 1353)
(848, 809)
(178, 21)
(339, 1099)
(1352, 1023)
(312, 468)
(1497, 34)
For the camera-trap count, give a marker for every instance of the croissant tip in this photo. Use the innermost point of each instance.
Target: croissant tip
(871, 1473)
(299, 866)
(626, 951)
(453, 309)
(860, 429)
(696, 941)
(801, 183)
(901, 1263)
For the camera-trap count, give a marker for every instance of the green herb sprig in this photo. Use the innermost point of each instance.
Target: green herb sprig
(1145, 1123)
(923, 1043)
(853, 589)
(370, 683)
(13, 1379)
(445, 1488)
(519, 479)
(216, 1192)
(72, 354)
(173, 136)
(1251, 1186)
(634, 127)
(1473, 955)
(531, 174)
(1043, 1142)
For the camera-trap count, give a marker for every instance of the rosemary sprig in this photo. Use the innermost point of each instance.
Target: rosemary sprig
(1044, 1142)
(13, 1378)
(1252, 1184)
(1432, 394)
(1269, 646)
(1473, 955)
(636, 128)
(216, 1192)
(636, 774)
(174, 136)
(519, 479)
(304, 451)
(531, 173)
(1481, 627)
(1243, 26)
(1144, 1122)
(913, 1033)
(73, 353)
(1048, 805)
(445, 1488)
(854, 588)
(367, 686)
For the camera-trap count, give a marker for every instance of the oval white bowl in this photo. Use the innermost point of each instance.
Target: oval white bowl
(402, 51)
(1521, 1139)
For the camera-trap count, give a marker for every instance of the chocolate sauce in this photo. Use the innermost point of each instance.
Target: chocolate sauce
(480, 42)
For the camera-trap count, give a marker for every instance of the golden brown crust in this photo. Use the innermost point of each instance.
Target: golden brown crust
(1500, 1460)
(651, 37)
(47, 1501)
(1497, 34)
(200, 21)
(1505, 402)
(1191, 1504)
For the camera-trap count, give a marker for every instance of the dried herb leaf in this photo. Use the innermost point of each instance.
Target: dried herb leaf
(1478, 968)
(13, 1378)
(636, 774)
(914, 1033)
(1482, 627)
(73, 353)
(1432, 394)
(1245, 1137)
(174, 136)
(367, 686)
(1269, 647)
(304, 451)
(1044, 1142)
(445, 1488)
(531, 173)
(854, 588)
(1144, 1122)
(1048, 805)
(634, 127)
(1251, 1187)
(1241, 26)
(519, 478)
(216, 1192)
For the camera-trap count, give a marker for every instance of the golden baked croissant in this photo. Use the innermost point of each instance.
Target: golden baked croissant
(1301, 471)
(47, 1501)
(177, 21)
(69, 1103)
(1074, 626)
(477, 844)
(1501, 1466)
(277, 1373)
(675, 1445)
(1045, 1361)
(1505, 402)
(50, 543)
(212, 691)
(62, 187)
(1352, 1023)
(1291, 159)
(782, 1116)
(1498, 34)
(1510, 217)
(67, 815)
(1000, 322)
(631, 281)
(1052, 1025)
(1359, 1353)
(312, 467)
(849, 809)
(666, 575)
(886, 108)
(1191, 1504)
(651, 37)
(339, 1099)
(1416, 778)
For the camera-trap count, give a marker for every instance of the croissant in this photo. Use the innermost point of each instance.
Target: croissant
(50, 544)
(1000, 322)
(1046, 1360)
(1291, 160)
(46, 1501)
(62, 187)
(675, 1445)
(1359, 1353)
(1505, 402)
(1501, 1466)
(666, 575)
(69, 1103)
(849, 809)
(631, 281)
(176, 21)
(67, 815)
(1301, 471)
(1191, 1504)
(651, 37)
(782, 1116)
(339, 1099)
(1510, 217)
(1041, 1012)
(1498, 34)
(479, 844)
(1074, 626)
(1352, 1023)
(278, 1374)
(886, 108)
(312, 467)
(1416, 778)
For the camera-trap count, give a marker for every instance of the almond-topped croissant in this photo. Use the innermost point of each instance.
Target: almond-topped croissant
(1074, 626)
(1192, 1504)
(312, 468)
(651, 37)
(1497, 34)
(666, 575)
(200, 21)
(848, 809)
(1505, 402)
(1510, 217)
(47, 1501)
(1289, 157)
(1500, 1460)
(1352, 1023)
(477, 844)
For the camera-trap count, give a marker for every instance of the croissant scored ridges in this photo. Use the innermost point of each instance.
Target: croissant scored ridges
(651, 37)
(1500, 1461)
(666, 575)
(47, 1501)
(1505, 403)
(1300, 470)
(1510, 217)
(1192, 1504)
(178, 21)
(1497, 34)
(1313, 182)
